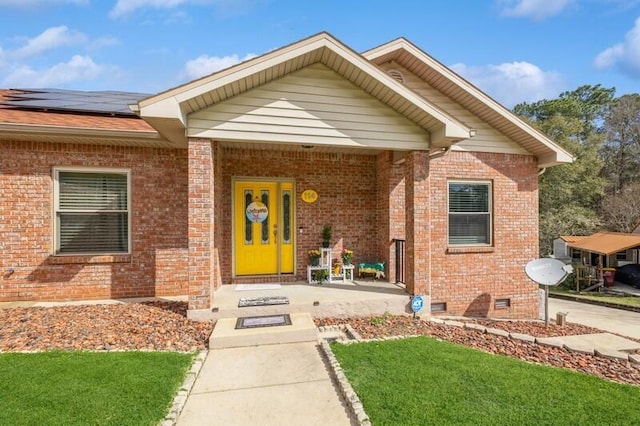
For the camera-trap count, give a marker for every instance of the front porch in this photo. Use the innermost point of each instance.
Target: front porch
(354, 298)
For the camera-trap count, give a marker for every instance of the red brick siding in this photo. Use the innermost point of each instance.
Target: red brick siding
(157, 264)
(345, 183)
(471, 282)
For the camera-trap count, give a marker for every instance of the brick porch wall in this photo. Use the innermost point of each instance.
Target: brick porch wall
(346, 185)
(157, 265)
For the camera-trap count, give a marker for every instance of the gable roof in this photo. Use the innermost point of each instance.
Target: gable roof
(470, 97)
(168, 111)
(607, 243)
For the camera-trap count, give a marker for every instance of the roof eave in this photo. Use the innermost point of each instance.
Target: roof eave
(166, 110)
(550, 154)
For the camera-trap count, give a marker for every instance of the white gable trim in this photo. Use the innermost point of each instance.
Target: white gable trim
(168, 111)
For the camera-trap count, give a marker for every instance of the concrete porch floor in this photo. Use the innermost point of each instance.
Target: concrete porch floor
(336, 299)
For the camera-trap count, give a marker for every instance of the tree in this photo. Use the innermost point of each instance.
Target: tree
(621, 150)
(570, 194)
(621, 210)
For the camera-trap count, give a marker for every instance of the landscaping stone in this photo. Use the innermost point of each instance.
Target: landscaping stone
(618, 370)
(497, 332)
(523, 337)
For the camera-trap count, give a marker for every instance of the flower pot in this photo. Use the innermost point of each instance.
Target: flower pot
(325, 244)
(315, 261)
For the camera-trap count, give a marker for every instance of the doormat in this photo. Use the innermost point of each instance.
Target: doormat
(246, 287)
(262, 301)
(263, 321)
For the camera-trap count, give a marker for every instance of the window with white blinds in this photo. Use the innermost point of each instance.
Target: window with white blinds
(92, 211)
(469, 213)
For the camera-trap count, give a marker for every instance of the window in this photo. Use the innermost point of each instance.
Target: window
(469, 213)
(92, 211)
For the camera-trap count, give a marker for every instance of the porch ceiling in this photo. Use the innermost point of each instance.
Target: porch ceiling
(168, 111)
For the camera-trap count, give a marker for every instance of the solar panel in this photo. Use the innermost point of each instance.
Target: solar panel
(96, 102)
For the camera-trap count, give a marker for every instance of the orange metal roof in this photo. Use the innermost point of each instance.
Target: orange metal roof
(573, 238)
(607, 243)
(10, 114)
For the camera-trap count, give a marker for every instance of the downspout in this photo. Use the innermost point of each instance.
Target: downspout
(542, 170)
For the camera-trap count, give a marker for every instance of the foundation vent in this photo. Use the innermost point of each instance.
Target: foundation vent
(502, 304)
(397, 75)
(438, 307)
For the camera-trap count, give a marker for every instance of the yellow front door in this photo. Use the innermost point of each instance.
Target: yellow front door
(263, 234)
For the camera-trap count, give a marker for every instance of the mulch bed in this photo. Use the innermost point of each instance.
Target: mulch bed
(390, 325)
(163, 326)
(154, 326)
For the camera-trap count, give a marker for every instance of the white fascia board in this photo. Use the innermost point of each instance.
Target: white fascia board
(76, 131)
(401, 44)
(168, 104)
(452, 128)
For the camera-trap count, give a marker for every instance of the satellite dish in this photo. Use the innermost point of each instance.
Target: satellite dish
(548, 271)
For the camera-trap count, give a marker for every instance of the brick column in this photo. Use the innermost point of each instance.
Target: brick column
(201, 224)
(417, 222)
(391, 213)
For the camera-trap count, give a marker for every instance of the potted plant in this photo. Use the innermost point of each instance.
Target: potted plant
(320, 276)
(314, 257)
(347, 255)
(326, 235)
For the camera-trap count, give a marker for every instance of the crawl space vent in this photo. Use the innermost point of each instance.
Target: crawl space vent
(439, 307)
(502, 303)
(397, 75)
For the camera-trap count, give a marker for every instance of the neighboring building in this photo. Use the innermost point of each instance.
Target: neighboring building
(605, 249)
(98, 202)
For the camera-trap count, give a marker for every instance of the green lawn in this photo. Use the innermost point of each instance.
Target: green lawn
(85, 388)
(419, 381)
(621, 300)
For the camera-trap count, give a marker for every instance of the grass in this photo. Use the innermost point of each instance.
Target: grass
(421, 380)
(621, 300)
(85, 388)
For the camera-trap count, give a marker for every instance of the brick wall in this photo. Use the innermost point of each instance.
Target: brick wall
(157, 265)
(345, 183)
(470, 281)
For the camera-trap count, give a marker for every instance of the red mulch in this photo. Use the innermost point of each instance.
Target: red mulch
(155, 326)
(389, 325)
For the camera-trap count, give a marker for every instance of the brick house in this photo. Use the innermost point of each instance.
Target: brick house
(151, 200)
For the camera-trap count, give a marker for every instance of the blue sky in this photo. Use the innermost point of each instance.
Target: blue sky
(515, 50)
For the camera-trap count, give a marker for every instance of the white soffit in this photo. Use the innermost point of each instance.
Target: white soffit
(469, 96)
(168, 111)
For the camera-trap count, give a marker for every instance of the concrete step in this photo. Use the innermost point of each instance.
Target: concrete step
(225, 335)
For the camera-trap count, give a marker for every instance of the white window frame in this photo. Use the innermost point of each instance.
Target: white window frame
(56, 206)
(489, 184)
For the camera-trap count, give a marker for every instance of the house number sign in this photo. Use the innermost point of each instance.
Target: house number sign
(309, 196)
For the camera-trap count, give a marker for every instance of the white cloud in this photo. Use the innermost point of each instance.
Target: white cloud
(513, 82)
(625, 55)
(534, 9)
(78, 68)
(50, 38)
(125, 7)
(205, 64)
(38, 3)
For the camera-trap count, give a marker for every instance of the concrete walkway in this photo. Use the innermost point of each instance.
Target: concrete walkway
(286, 384)
(625, 323)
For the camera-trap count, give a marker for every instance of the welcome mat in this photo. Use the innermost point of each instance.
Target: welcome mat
(262, 301)
(263, 321)
(246, 287)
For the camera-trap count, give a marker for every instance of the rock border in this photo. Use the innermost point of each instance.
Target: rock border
(345, 334)
(180, 399)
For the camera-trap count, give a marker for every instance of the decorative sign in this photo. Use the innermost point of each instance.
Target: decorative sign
(309, 196)
(417, 303)
(257, 212)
